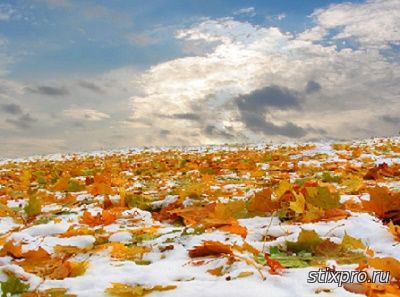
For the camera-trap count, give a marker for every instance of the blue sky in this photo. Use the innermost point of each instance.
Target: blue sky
(67, 37)
(84, 75)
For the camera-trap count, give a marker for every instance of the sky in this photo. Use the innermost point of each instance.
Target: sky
(91, 75)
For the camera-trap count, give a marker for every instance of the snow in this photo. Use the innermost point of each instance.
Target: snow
(174, 266)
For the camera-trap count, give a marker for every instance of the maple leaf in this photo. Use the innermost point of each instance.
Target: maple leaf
(193, 215)
(78, 268)
(233, 209)
(395, 230)
(321, 197)
(306, 241)
(353, 185)
(34, 206)
(386, 264)
(210, 248)
(62, 271)
(101, 184)
(349, 242)
(15, 251)
(262, 202)
(13, 286)
(235, 228)
(275, 267)
(107, 217)
(52, 292)
(283, 187)
(381, 200)
(41, 267)
(124, 290)
(299, 204)
(122, 252)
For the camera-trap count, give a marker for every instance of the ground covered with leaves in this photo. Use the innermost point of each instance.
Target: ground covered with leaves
(207, 221)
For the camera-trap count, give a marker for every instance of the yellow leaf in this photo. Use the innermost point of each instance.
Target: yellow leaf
(234, 209)
(395, 230)
(78, 268)
(298, 205)
(245, 274)
(351, 242)
(283, 187)
(34, 206)
(321, 197)
(216, 271)
(386, 264)
(307, 241)
(123, 290)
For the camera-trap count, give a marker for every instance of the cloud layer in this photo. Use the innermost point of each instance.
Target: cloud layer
(332, 80)
(234, 81)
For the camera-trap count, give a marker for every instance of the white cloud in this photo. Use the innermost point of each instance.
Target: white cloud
(373, 23)
(357, 84)
(85, 114)
(251, 11)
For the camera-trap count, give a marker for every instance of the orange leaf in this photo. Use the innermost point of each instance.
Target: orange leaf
(210, 248)
(386, 264)
(262, 202)
(381, 200)
(235, 229)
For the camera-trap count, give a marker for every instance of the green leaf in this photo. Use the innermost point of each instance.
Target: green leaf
(138, 201)
(260, 259)
(73, 186)
(293, 261)
(328, 178)
(13, 286)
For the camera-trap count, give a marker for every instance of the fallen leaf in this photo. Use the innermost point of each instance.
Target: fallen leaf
(210, 248)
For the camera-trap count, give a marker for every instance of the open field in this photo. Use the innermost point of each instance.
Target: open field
(202, 221)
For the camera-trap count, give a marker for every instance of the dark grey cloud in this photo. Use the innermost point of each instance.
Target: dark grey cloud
(90, 86)
(11, 108)
(254, 107)
(164, 132)
(213, 131)
(391, 119)
(24, 121)
(186, 116)
(312, 87)
(49, 90)
(257, 123)
(263, 99)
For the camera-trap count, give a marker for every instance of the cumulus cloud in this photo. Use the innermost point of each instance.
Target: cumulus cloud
(85, 114)
(374, 23)
(256, 81)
